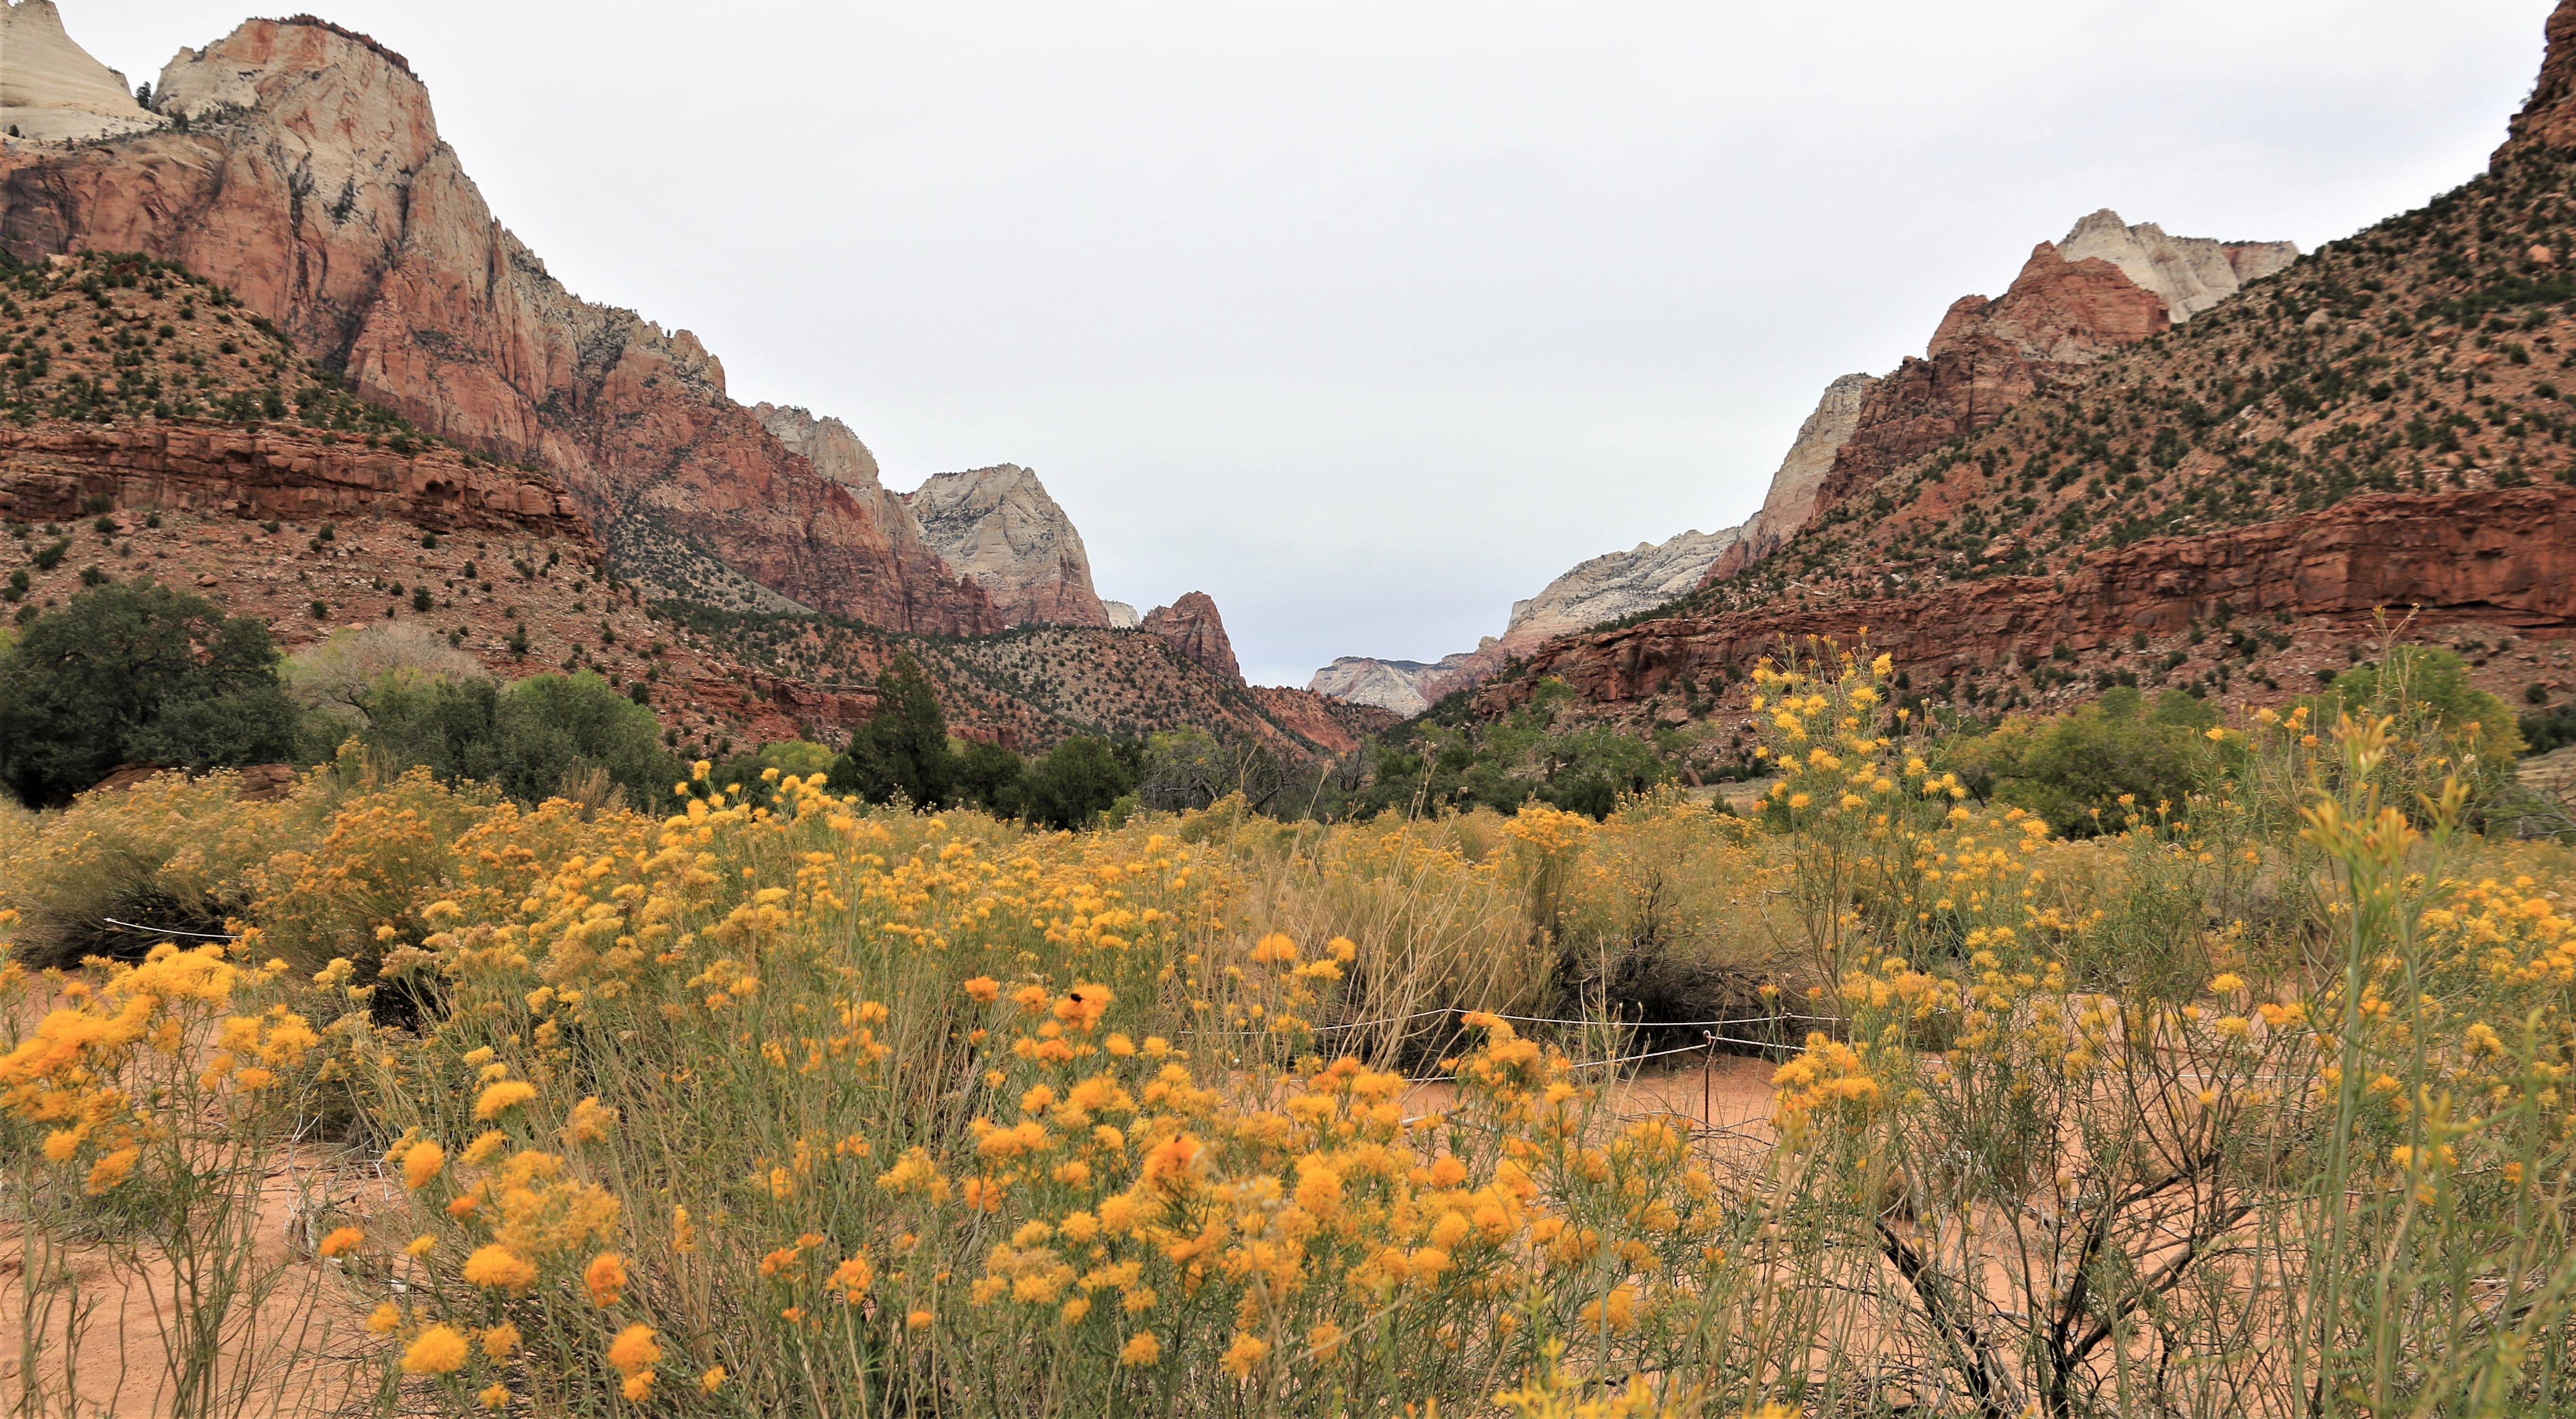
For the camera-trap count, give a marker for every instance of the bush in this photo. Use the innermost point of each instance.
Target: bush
(137, 671)
(2073, 770)
(161, 855)
(534, 739)
(1074, 783)
(2553, 730)
(2443, 726)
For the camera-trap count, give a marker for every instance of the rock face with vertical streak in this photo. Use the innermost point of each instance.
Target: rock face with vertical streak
(311, 180)
(1791, 498)
(1192, 625)
(998, 526)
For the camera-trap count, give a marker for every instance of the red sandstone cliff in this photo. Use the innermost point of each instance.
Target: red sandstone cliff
(2505, 556)
(2548, 117)
(312, 181)
(1986, 355)
(1193, 627)
(51, 472)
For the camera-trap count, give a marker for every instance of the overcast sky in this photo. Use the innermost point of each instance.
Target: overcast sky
(1368, 318)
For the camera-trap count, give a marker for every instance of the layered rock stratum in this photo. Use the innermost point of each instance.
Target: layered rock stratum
(311, 180)
(51, 90)
(999, 526)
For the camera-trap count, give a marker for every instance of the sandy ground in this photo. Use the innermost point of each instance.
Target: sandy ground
(100, 1319)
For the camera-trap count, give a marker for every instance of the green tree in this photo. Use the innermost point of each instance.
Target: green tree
(903, 748)
(134, 670)
(988, 776)
(553, 726)
(532, 739)
(1074, 783)
(450, 725)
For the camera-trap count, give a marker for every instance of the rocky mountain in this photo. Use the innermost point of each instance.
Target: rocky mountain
(299, 165)
(162, 449)
(1986, 355)
(999, 526)
(182, 438)
(1617, 584)
(825, 442)
(2189, 274)
(2106, 286)
(2225, 506)
(1122, 617)
(836, 453)
(1405, 687)
(1193, 627)
(51, 90)
(1791, 498)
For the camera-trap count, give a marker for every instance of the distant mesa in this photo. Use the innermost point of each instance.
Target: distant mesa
(1615, 584)
(999, 526)
(1407, 687)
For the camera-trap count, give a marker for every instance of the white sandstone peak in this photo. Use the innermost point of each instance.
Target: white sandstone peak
(999, 526)
(2189, 274)
(51, 89)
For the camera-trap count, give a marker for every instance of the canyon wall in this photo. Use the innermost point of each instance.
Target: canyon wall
(311, 180)
(2500, 555)
(51, 472)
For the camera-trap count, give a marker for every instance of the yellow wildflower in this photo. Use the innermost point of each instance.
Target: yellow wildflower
(439, 1350)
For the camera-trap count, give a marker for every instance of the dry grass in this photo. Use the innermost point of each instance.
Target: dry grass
(781, 1105)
